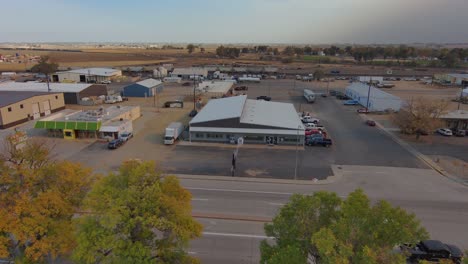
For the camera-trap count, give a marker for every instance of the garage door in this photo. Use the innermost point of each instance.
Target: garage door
(46, 105)
(35, 110)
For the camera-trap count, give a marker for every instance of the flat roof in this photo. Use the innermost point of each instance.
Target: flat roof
(149, 83)
(107, 72)
(458, 75)
(103, 114)
(12, 97)
(275, 114)
(457, 114)
(246, 130)
(215, 86)
(42, 87)
(190, 71)
(224, 108)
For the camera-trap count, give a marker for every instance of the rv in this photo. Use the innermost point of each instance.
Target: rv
(309, 96)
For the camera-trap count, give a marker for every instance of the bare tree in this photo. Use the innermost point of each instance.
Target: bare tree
(45, 67)
(420, 116)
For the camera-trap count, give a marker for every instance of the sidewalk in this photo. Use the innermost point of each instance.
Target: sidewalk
(233, 146)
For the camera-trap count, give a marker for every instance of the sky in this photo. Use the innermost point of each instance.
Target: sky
(235, 21)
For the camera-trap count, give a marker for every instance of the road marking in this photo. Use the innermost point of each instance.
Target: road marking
(234, 190)
(280, 204)
(199, 199)
(236, 235)
(192, 252)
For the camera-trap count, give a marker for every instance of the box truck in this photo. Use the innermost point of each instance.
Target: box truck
(173, 132)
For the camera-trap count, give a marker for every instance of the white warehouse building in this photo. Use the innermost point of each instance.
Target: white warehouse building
(87, 75)
(256, 121)
(378, 99)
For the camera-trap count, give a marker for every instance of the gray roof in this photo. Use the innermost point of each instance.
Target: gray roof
(190, 71)
(12, 97)
(42, 87)
(363, 89)
(149, 83)
(273, 114)
(218, 109)
(458, 75)
(97, 71)
(255, 112)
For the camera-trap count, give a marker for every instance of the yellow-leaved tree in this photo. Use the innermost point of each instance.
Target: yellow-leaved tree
(38, 199)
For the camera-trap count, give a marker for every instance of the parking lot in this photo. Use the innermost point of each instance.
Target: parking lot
(354, 143)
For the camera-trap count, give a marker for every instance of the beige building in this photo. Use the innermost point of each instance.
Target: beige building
(19, 107)
(87, 75)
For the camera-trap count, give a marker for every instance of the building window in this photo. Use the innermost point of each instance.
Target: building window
(9, 109)
(21, 106)
(214, 135)
(56, 97)
(68, 133)
(199, 135)
(254, 138)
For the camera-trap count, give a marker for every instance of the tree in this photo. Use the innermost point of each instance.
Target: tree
(45, 67)
(289, 51)
(38, 199)
(137, 216)
(202, 50)
(307, 50)
(420, 115)
(222, 51)
(190, 48)
(318, 75)
(333, 230)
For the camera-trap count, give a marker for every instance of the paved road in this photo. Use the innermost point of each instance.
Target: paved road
(441, 204)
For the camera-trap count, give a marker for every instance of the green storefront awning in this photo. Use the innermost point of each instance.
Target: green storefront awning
(74, 125)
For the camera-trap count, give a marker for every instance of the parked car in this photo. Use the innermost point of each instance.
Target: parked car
(363, 111)
(460, 133)
(432, 250)
(193, 113)
(445, 132)
(126, 136)
(114, 144)
(341, 96)
(351, 102)
(309, 119)
(176, 103)
(332, 92)
(422, 132)
(318, 140)
(106, 82)
(186, 84)
(370, 122)
(241, 88)
(264, 97)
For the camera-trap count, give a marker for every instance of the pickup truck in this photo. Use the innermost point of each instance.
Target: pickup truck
(432, 250)
(317, 140)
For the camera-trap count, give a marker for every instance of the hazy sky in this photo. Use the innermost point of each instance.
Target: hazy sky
(228, 21)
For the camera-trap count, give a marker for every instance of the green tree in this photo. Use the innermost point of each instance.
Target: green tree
(289, 51)
(190, 48)
(333, 230)
(38, 199)
(318, 75)
(45, 67)
(136, 216)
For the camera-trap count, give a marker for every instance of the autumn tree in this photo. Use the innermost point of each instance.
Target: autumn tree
(202, 50)
(190, 48)
(318, 75)
(136, 216)
(38, 199)
(289, 51)
(45, 67)
(420, 115)
(330, 230)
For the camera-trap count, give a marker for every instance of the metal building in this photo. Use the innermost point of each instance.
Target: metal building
(378, 99)
(256, 121)
(87, 75)
(145, 88)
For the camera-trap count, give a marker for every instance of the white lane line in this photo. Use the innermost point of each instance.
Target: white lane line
(234, 190)
(236, 235)
(192, 252)
(199, 199)
(280, 204)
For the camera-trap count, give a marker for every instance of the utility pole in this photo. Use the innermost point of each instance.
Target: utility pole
(194, 86)
(328, 85)
(368, 95)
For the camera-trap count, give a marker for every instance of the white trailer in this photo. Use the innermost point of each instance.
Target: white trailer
(309, 96)
(172, 79)
(173, 132)
(368, 79)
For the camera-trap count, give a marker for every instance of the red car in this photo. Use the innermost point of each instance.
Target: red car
(312, 132)
(370, 122)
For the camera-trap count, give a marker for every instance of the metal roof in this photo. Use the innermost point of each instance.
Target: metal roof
(215, 86)
(190, 71)
(42, 87)
(247, 130)
(107, 72)
(255, 112)
(12, 97)
(363, 89)
(149, 83)
(458, 114)
(224, 108)
(275, 114)
(458, 75)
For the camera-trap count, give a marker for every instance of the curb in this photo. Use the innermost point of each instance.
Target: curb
(232, 217)
(329, 180)
(428, 161)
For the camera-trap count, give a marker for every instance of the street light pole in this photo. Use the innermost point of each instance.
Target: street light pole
(194, 86)
(297, 152)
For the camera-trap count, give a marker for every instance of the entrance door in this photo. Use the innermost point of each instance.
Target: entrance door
(46, 105)
(35, 110)
(82, 78)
